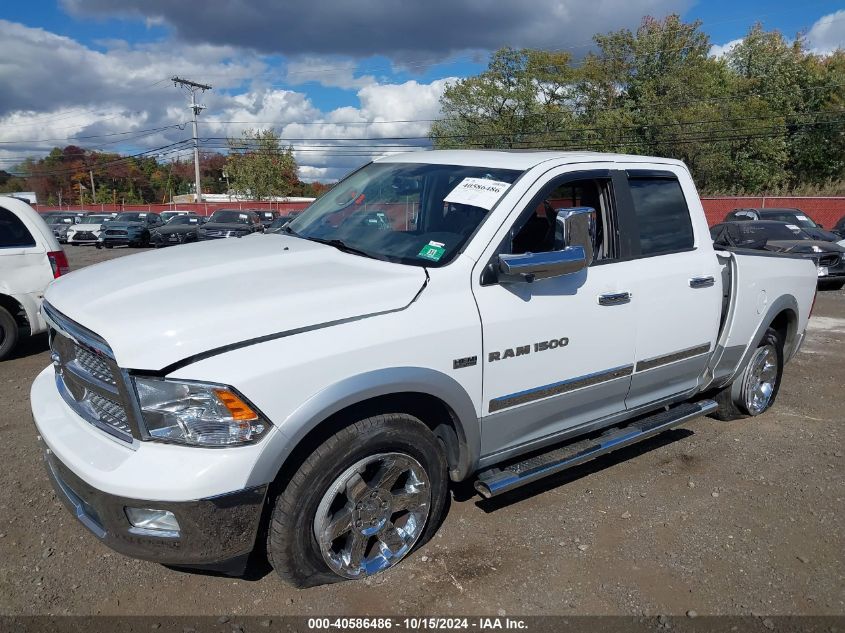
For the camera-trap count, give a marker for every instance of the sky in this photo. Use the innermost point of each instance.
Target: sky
(342, 81)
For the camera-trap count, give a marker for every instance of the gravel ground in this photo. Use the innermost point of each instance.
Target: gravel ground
(719, 518)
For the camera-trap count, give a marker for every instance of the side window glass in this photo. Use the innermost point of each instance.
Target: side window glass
(535, 233)
(13, 232)
(662, 214)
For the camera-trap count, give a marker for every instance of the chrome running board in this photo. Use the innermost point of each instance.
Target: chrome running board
(498, 480)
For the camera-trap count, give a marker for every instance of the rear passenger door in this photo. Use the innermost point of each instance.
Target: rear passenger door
(675, 286)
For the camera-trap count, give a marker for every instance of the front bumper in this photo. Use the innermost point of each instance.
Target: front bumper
(215, 533)
(98, 476)
(172, 239)
(76, 238)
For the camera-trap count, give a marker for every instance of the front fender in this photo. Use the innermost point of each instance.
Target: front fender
(358, 389)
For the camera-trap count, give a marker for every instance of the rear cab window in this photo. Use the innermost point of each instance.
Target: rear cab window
(13, 232)
(662, 214)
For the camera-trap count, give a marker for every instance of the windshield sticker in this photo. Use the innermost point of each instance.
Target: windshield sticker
(478, 192)
(433, 251)
(801, 216)
(793, 227)
(242, 216)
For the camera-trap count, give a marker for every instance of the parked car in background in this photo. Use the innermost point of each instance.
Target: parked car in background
(281, 222)
(792, 216)
(166, 216)
(266, 217)
(230, 223)
(783, 237)
(839, 228)
(60, 223)
(30, 258)
(181, 229)
(88, 230)
(129, 229)
(50, 214)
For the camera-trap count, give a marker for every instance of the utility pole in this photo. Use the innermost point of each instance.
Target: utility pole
(93, 190)
(196, 108)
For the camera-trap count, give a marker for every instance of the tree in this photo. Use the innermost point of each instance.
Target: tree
(259, 167)
(518, 101)
(767, 117)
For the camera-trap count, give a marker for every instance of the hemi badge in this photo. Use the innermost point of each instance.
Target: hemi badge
(460, 363)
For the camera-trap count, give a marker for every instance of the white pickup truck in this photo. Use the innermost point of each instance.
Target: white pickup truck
(435, 317)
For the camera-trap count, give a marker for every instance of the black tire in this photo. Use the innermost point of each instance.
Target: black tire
(732, 398)
(108, 245)
(292, 548)
(9, 333)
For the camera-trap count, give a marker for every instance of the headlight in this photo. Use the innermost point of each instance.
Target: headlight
(200, 414)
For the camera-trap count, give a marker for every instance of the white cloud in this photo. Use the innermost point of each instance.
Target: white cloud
(827, 34)
(47, 100)
(720, 50)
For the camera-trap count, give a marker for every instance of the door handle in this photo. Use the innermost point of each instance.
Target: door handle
(615, 299)
(701, 282)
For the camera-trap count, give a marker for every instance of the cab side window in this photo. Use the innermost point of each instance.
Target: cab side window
(535, 231)
(13, 233)
(662, 215)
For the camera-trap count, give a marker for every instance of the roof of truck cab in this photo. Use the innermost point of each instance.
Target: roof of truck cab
(517, 159)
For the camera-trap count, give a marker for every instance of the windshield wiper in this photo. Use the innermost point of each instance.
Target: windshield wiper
(344, 247)
(338, 244)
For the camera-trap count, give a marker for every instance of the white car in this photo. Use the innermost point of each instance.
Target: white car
(30, 258)
(445, 316)
(88, 231)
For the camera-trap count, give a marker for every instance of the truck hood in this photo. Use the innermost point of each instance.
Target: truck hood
(158, 308)
(124, 225)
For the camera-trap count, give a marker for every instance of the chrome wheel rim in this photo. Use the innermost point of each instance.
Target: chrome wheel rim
(372, 514)
(761, 379)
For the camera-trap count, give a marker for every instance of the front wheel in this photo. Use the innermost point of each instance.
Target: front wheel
(363, 500)
(755, 389)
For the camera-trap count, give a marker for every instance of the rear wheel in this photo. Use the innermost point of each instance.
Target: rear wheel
(363, 500)
(755, 389)
(8, 333)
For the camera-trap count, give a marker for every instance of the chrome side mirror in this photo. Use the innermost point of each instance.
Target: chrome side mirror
(576, 227)
(575, 230)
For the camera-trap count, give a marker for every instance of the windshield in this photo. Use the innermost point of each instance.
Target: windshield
(748, 232)
(183, 219)
(793, 218)
(95, 219)
(408, 213)
(61, 219)
(226, 216)
(130, 217)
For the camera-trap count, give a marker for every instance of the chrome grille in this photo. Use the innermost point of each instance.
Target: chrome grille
(111, 413)
(88, 377)
(93, 364)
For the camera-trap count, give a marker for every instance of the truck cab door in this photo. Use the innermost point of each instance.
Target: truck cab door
(675, 285)
(557, 352)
